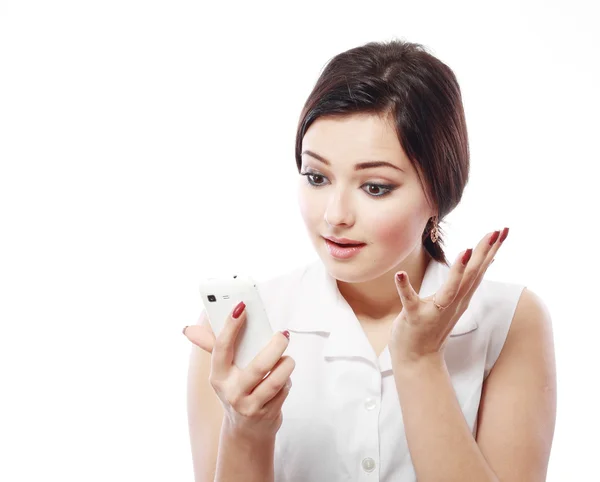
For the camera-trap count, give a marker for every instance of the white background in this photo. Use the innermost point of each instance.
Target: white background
(145, 144)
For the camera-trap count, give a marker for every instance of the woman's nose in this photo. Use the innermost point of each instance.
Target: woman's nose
(338, 211)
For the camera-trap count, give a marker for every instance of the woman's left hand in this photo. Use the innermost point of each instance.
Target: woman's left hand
(421, 329)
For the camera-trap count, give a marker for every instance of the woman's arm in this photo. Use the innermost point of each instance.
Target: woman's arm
(205, 413)
(244, 458)
(218, 454)
(517, 411)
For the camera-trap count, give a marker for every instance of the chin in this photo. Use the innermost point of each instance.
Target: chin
(359, 269)
(350, 271)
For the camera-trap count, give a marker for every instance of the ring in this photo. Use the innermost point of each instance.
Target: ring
(441, 308)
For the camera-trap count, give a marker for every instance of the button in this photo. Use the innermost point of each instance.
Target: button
(368, 464)
(370, 403)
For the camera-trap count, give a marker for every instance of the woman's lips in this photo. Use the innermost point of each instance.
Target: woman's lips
(343, 252)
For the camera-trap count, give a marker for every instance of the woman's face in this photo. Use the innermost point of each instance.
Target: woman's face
(383, 207)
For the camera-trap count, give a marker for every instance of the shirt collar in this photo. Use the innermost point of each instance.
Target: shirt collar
(320, 308)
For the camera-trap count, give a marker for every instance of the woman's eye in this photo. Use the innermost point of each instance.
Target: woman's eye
(314, 179)
(374, 190)
(380, 190)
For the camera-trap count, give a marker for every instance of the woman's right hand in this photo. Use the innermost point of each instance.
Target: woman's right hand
(251, 400)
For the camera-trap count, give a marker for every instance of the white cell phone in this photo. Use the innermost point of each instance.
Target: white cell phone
(220, 296)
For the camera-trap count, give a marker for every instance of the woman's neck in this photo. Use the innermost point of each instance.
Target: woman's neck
(378, 298)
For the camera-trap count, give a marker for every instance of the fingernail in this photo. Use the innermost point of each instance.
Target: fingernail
(184, 328)
(286, 334)
(400, 277)
(238, 309)
(504, 234)
(467, 256)
(494, 237)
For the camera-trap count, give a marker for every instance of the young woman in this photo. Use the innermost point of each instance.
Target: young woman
(405, 367)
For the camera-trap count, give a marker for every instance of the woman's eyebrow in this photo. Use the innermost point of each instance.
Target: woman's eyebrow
(357, 167)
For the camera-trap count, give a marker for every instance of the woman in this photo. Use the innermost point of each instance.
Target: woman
(404, 367)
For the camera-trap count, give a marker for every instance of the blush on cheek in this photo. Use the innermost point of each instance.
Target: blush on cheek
(396, 234)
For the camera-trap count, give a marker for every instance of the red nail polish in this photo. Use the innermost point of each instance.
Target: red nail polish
(467, 256)
(504, 234)
(494, 237)
(286, 334)
(238, 309)
(400, 277)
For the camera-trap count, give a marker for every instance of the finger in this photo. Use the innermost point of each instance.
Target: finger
(409, 297)
(492, 248)
(449, 294)
(492, 251)
(276, 403)
(271, 385)
(496, 242)
(223, 351)
(486, 264)
(263, 363)
(201, 336)
(475, 264)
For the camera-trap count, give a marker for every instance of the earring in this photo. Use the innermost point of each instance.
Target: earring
(435, 234)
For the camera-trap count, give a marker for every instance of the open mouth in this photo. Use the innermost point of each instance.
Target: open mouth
(343, 251)
(345, 245)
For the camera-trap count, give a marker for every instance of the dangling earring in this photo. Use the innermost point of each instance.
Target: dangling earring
(435, 234)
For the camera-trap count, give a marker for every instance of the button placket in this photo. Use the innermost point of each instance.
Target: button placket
(370, 403)
(370, 407)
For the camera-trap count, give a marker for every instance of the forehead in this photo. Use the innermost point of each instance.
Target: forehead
(350, 138)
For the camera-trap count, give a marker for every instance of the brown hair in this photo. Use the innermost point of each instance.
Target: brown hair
(402, 81)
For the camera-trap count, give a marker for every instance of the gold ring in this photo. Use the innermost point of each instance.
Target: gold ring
(441, 308)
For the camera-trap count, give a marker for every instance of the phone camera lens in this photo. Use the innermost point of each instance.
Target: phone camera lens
(212, 298)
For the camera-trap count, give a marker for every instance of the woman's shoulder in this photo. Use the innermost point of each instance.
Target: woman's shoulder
(494, 292)
(508, 310)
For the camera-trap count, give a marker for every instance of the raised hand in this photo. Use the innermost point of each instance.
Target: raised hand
(422, 327)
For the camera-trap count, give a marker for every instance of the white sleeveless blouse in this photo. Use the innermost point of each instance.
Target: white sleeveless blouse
(342, 420)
